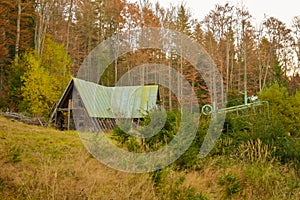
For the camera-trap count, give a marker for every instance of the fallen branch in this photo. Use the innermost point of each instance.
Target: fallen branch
(25, 119)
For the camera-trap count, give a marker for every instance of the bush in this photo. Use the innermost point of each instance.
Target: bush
(284, 106)
(168, 186)
(164, 136)
(287, 149)
(230, 184)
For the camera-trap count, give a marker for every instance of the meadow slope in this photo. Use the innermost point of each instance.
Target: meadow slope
(43, 163)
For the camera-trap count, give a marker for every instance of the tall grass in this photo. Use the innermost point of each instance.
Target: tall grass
(42, 163)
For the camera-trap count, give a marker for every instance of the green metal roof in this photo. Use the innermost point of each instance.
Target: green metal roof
(116, 102)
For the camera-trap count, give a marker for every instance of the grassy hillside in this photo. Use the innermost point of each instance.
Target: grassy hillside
(43, 163)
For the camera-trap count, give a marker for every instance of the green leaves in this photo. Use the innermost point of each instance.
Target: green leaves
(283, 106)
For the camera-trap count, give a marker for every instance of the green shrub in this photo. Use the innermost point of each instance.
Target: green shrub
(169, 187)
(230, 183)
(287, 149)
(284, 106)
(164, 136)
(189, 160)
(275, 142)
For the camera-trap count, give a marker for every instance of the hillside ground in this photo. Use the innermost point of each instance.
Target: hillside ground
(43, 163)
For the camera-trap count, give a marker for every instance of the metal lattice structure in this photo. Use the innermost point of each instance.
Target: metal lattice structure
(249, 104)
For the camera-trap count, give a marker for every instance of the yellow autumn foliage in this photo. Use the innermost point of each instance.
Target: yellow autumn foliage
(45, 77)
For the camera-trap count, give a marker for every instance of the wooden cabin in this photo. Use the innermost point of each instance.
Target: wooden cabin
(101, 105)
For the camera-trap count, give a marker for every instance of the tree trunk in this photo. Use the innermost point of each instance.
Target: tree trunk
(17, 47)
(227, 65)
(68, 25)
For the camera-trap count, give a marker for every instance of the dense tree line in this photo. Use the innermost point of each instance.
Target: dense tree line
(50, 39)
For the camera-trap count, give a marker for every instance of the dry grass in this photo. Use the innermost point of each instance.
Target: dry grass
(255, 180)
(255, 151)
(43, 163)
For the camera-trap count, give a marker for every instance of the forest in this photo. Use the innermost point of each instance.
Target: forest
(43, 44)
